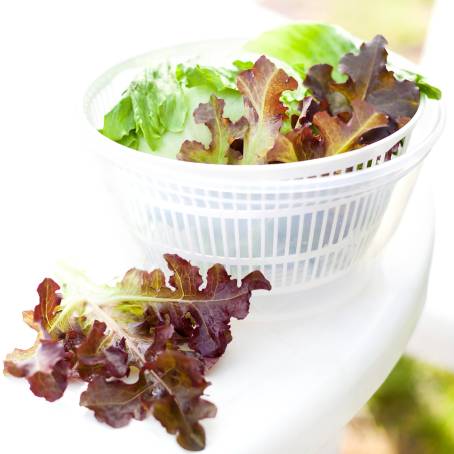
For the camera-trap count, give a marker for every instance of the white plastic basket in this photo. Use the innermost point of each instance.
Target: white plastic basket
(301, 224)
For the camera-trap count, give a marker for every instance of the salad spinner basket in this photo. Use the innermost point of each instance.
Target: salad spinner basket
(302, 224)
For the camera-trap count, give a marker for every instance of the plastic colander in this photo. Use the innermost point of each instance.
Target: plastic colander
(302, 224)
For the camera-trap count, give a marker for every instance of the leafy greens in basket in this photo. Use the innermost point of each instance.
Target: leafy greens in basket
(319, 96)
(142, 345)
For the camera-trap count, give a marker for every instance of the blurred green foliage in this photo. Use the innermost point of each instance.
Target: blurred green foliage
(416, 407)
(403, 22)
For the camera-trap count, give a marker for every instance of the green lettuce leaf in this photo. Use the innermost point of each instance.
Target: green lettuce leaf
(193, 131)
(303, 45)
(152, 106)
(132, 140)
(242, 65)
(215, 79)
(218, 80)
(119, 122)
(198, 84)
(159, 105)
(292, 100)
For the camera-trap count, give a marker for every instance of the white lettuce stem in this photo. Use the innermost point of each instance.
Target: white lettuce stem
(136, 299)
(154, 299)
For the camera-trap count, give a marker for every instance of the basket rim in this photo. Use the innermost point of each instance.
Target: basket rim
(278, 173)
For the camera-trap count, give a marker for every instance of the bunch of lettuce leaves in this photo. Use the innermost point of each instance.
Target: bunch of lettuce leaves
(143, 345)
(155, 112)
(336, 117)
(320, 96)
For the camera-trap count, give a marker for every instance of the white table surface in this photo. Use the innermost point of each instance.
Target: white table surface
(283, 386)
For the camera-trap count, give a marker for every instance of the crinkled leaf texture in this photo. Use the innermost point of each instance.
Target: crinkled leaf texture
(170, 332)
(368, 80)
(44, 364)
(183, 375)
(175, 400)
(49, 302)
(339, 136)
(223, 133)
(300, 144)
(201, 317)
(262, 88)
(93, 358)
